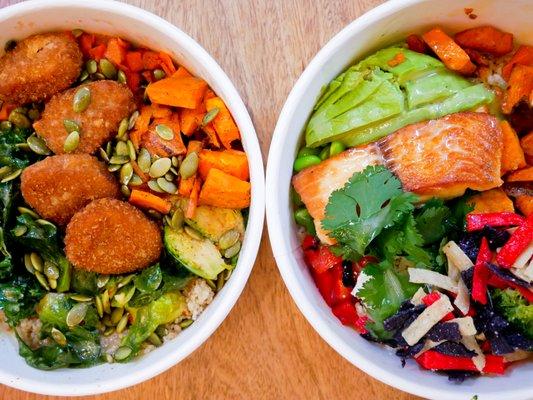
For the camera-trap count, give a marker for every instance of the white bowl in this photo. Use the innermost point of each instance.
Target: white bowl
(382, 26)
(142, 27)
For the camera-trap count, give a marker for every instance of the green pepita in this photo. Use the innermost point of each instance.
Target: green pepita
(58, 337)
(125, 190)
(167, 186)
(121, 77)
(228, 239)
(103, 154)
(77, 33)
(160, 167)
(76, 314)
(105, 302)
(25, 210)
(210, 116)
(101, 281)
(122, 128)
(119, 159)
(53, 283)
(175, 162)
(37, 145)
(81, 100)
(71, 142)
(122, 323)
(11, 176)
(133, 119)
(99, 76)
(42, 280)
(109, 331)
(37, 262)
(164, 132)
(189, 165)
(23, 146)
(83, 76)
(211, 284)
(185, 323)
(122, 353)
(177, 219)
(71, 125)
(124, 281)
(108, 69)
(91, 66)
(114, 167)
(116, 315)
(28, 264)
(41, 221)
(121, 149)
(154, 214)
(5, 170)
(220, 282)
(50, 270)
(19, 120)
(233, 250)
(131, 150)
(159, 74)
(99, 306)
(155, 340)
(193, 233)
(34, 114)
(144, 160)
(20, 230)
(80, 297)
(154, 186)
(136, 180)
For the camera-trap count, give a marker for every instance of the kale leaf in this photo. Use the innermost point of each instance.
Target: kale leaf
(10, 154)
(18, 298)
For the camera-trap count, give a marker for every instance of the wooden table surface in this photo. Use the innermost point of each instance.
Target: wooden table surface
(265, 349)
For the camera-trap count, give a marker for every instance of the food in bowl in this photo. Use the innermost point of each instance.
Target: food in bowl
(124, 194)
(413, 193)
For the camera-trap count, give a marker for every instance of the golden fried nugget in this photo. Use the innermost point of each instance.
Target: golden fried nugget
(110, 103)
(59, 186)
(39, 67)
(112, 237)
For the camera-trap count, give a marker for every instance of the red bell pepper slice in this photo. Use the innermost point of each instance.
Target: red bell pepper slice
(497, 282)
(481, 273)
(347, 314)
(340, 292)
(476, 222)
(431, 298)
(436, 361)
(309, 242)
(517, 243)
(322, 259)
(324, 283)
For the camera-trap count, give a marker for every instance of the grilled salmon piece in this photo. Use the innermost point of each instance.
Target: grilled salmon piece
(446, 156)
(315, 184)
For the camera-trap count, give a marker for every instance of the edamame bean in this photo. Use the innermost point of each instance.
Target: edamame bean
(306, 161)
(303, 218)
(336, 148)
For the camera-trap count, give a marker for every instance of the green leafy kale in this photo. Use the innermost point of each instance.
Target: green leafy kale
(18, 298)
(10, 154)
(515, 308)
(8, 194)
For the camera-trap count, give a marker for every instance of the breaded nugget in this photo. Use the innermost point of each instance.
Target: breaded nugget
(112, 237)
(110, 103)
(59, 186)
(39, 67)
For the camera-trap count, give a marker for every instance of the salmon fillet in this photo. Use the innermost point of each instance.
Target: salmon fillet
(315, 184)
(437, 158)
(444, 157)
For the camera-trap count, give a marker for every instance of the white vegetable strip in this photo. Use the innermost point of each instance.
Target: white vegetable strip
(466, 325)
(462, 301)
(524, 258)
(426, 320)
(457, 256)
(523, 273)
(453, 272)
(417, 297)
(428, 345)
(419, 275)
(470, 343)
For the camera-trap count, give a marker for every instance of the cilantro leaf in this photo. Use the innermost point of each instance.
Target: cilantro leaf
(371, 201)
(432, 219)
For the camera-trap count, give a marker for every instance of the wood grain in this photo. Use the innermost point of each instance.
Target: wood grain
(265, 349)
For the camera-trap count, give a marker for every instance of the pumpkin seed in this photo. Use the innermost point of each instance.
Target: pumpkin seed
(77, 33)
(71, 142)
(4, 125)
(11, 176)
(122, 128)
(193, 233)
(99, 306)
(108, 69)
(122, 353)
(53, 283)
(133, 119)
(227, 274)
(77, 314)
(80, 297)
(131, 150)
(233, 250)
(130, 294)
(103, 154)
(109, 331)
(125, 190)
(154, 214)
(167, 186)
(5, 170)
(121, 149)
(154, 339)
(164, 132)
(154, 186)
(19, 120)
(159, 74)
(175, 161)
(118, 159)
(122, 323)
(161, 331)
(41, 221)
(28, 264)
(42, 280)
(116, 315)
(210, 116)
(10, 45)
(109, 148)
(136, 180)
(189, 165)
(169, 176)
(121, 77)
(23, 146)
(58, 337)
(114, 167)
(228, 239)
(220, 282)
(34, 114)
(37, 145)
(83, 76)
(177, 219)
(144, 160)
(185, 323)
(50, 270)
(81, 100)
(20, 230)
(99, 76)
(174, 171)
(107, 321)
(101, 281)
(31, 213)
(124, 281)
(105, 302)
(71, 125)
(167, 220)
(211, 284)
(160, 167)
(91, 66)
(37, 261)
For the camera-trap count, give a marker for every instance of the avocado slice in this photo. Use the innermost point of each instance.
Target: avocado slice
(200, 256)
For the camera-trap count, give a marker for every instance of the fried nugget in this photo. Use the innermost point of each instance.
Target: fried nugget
(59, 186)
(39, 67)
(110, 236)
(110, 103)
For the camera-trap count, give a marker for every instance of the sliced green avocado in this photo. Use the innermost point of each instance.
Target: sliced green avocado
(200, 256)
(213, 222)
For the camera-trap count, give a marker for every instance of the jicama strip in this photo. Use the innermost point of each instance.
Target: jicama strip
(470, 343)
(462, 301)
(466, 325)
(457, 256)
(419, 275)
(418, 296)
(524, 258)
(428, 345)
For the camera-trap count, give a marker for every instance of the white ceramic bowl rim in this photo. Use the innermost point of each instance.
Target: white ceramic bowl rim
(276, 227)
(204, 326)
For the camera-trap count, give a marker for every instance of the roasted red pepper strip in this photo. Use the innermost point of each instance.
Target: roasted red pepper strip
(476, 222)
(309, 242)
(481, 273)
(324, 282)
(341, 293)
(436, 361)
(431, 298)
(347, 314)
(517, 243)
(322, 259)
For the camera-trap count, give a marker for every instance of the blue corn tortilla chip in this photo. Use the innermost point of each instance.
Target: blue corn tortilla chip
(410, 351)
(507, 276)
(468, 277)
(495, 237)
(499, 344)
(518, 341)
(454, 349)
(469, 243)
(398, 320)
(487, 320)
(444, 331)
(459, 376)
(398, 338)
